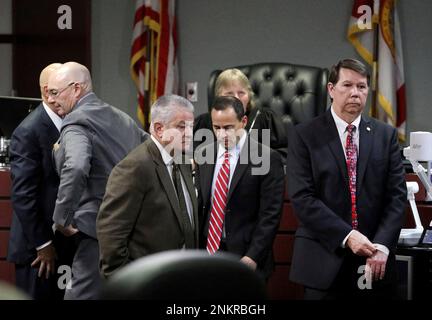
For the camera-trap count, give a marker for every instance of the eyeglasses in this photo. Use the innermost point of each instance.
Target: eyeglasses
(54, 93)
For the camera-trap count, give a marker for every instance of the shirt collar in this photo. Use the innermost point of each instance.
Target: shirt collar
(234, 151)
(166, 157)
(53, 116)
(342, 124)
(87, 94)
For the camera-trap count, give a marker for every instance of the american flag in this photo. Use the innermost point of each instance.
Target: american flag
(153, 62)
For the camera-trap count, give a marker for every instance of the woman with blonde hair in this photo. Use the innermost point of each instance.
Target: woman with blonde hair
(233, 82)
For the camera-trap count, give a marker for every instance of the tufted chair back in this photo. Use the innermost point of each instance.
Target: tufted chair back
(295, 92)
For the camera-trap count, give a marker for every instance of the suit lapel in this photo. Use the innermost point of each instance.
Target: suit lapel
(334, 143)
(187, 177)
(51, 130)
(242, 164)
(366, 139)
(165, 179)
(206, 171)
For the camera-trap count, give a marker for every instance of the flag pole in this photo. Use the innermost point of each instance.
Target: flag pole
(147, 98)
(374, 80)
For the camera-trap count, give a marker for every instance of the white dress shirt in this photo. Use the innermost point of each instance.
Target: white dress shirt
(234, 155)
(341, 126)
(168, 161)
(53, 116)
(57, 122)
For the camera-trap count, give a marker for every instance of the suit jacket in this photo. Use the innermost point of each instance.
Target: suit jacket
(319, 191)
(140, 213)
(254, 203)
(34, 185)
(94, 138)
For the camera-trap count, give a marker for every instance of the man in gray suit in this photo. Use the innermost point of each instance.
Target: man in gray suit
(150, 202)
(94, 138)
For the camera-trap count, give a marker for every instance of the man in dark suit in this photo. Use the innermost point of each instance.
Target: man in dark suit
(346, 183)
(241, 185)
(34, 189)
(150, 202)
(94, 137)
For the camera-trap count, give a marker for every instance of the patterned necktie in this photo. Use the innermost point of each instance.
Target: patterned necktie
(189, 234)
(351, 161)
(217, 214)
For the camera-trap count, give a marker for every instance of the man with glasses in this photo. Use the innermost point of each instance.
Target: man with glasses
(347, 185)
(94, 138)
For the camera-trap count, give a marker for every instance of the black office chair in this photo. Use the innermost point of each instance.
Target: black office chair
(185, 275)
(295, 92)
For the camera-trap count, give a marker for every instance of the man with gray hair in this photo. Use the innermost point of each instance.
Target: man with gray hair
(150, 202)
(94, 138)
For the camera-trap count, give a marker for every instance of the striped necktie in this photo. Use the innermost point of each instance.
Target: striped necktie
(351, 161)
(217, 213)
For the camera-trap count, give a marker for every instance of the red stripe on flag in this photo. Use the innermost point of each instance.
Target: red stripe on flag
(401, 105)
(164, 47)
(144, 11)
(153, 46)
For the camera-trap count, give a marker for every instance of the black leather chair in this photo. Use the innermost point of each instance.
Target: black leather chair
(185, 275)
(295, 92)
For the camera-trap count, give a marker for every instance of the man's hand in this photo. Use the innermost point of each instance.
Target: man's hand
(249, 262)
(360, 245)
(376, 265)
(46, 257)
(66, 231)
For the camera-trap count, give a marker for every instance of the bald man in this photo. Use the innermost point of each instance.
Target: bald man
(34, 189)
(94, 138)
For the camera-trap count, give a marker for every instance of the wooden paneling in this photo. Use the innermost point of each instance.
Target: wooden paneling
(5, 183)
(282, 248)
(288, 219)
(4, 240)
(280, 288)
(39, 41)
(5, 213)
(7, 272)
(425, 212)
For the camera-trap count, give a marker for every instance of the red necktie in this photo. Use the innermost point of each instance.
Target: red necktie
(217, 214)
(351, 160)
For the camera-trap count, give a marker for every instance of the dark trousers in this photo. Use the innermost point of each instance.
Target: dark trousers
(349, 284)
(86, 281)
(264, 275)
(40, 288)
